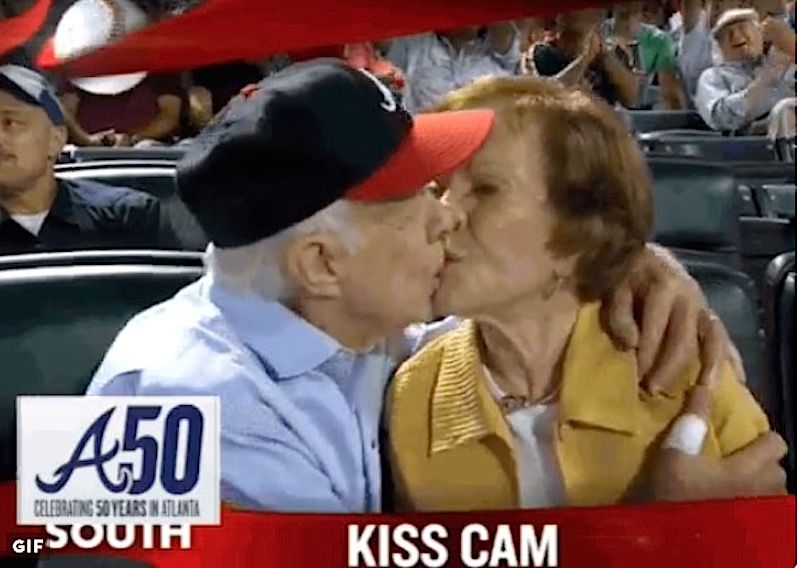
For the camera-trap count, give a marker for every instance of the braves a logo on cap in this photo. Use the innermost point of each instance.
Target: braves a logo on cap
(389, 102)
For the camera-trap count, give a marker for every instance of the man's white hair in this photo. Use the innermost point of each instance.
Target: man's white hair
(258, 267)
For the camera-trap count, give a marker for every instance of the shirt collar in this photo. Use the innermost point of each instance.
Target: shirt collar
(596, 388)
(62, 208)
(284, 341)
(462, 409)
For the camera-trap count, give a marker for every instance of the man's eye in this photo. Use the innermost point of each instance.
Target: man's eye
(436, 189)
(484, 189)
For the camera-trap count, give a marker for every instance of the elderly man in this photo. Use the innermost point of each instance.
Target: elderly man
(41, 212)
(325, 243)
(744, 88)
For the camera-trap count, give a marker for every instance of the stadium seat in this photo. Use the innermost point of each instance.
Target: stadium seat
(732, 295)
(740, 148)
(787, 149)
(102, 257)
(763, 238)
(697, 208)
(780, 305)
(778, 200)
(773, 231)
(75, 154)
(674, 133)
(57, 323)
(746, 201)
(155, 178)
(651, 120)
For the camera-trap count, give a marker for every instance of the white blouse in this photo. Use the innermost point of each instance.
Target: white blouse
(533, 430)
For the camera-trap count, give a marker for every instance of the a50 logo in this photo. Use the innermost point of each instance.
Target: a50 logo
(172, 482)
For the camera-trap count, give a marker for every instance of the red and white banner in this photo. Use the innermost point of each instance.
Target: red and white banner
(726, 534)
(227, 30)
(19, 29)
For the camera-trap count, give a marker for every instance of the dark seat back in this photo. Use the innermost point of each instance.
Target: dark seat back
(741, 148)
(732, 295)
(697, 209)
(780, 305)
(778, 200)
(77, 154)
(57, 323)
(651, 120)
(155, 178)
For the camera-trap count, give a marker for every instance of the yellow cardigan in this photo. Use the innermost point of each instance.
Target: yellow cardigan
(451, 448)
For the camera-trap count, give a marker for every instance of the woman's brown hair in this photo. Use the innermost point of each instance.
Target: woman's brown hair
(598, 183)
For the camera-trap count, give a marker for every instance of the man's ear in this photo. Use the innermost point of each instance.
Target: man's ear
(58, 138)
(315, 264)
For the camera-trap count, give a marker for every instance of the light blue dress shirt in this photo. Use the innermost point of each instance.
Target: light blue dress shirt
(300, 413)
(720, 96)
(433, 67)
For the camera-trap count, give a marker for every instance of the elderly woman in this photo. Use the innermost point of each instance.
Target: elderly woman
(529, 403)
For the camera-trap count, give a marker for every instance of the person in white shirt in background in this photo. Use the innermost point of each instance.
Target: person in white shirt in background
(694, 43)
(436, 63)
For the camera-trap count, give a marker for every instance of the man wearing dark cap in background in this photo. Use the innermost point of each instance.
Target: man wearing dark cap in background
(311, 186)
(41, 212)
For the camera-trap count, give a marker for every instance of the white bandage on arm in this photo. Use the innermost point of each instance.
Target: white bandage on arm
(687, 435)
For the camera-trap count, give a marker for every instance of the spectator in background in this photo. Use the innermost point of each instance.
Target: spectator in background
(533, 31)
(777, 27)
(209, 89)
(224, 81)
(778, 31)
(41, 212)
(366, 56)
(120, 110)
(104, 116)
(770, 8)
(656, 13)
(718, 7)
(695, 44)
(576, 55)
(737, 93)
(647, 51)
(435, 63)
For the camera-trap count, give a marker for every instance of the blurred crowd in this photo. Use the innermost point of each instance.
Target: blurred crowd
(731, 60)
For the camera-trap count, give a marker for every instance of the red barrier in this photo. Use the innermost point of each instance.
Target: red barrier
(19, 29)
(725, 534)
(227, 30)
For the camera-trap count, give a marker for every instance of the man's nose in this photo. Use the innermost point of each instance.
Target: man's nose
(448, 218)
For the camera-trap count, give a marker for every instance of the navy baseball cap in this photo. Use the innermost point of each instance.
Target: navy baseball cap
(32, 88)
(307, 136)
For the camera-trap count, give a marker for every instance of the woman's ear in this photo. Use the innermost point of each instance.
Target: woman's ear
(315, 264)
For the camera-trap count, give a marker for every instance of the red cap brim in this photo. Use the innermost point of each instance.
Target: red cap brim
(437, 144)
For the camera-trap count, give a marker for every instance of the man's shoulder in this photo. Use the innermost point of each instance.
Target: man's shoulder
(88, 193)
(712, 73)
(181, 345)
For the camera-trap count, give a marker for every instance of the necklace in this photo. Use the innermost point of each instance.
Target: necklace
(512, 402)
